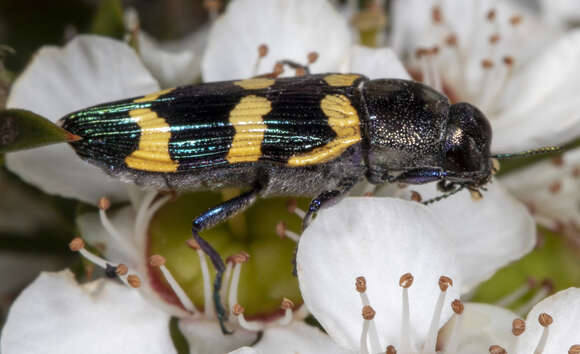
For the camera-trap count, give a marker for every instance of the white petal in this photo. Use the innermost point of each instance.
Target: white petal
(244, 350)
(171, 68)
(534, 185)
(481, 325)
(87, 71)
(205, 337)
(487, 234)
(377, 63)
(298, 337)
(564, 307)
(290, 28)
(561, 12)
(380, 239)
(56, 315)
(540, 106)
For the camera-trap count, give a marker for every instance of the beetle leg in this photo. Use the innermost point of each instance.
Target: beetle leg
(419, 176)
(212, 217)
(327, 199)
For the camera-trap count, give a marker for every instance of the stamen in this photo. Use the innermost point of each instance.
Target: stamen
(545, 321)
(104, 205)
(405, 282)
(416, 197)
(283, 232)
(575, 349)
(453, 343)
(122, 270)
(516, 20)
(557, 161)
(555, 187)
(436, 15)
(451, 40)
(495, 166)
(517, 294)
(518, 327)
(292, 205)
(158, 261)
(212, 7)
(133, 280)
(226, 283)
(287, 305)
(208, 309)
(431, 341)
(238, 260)
(312, 57)
(491, 15)
(496, 349)
(432, 62)
(475, 194)
(494, 39)
(391, 350)
(369, 331)
(238, 311)
(547, 287)
(262, 52)
(141, 217)
(576, 172)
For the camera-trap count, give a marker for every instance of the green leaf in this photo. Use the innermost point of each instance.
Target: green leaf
(108, 20)
(21, 129)
(512, 165)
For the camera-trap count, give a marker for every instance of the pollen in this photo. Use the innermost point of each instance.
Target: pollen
(361, 284)
(545, 319)
(134, 280)
(406, 280)
(76, 244)
(391, 350)
(496, 349)
(445, 282)
(122, 270)
(104, 204)
(518, 326)
(287, 304)
(457, 306)
(416, 197)
(156, 260)
(575, 349)
(368, 313)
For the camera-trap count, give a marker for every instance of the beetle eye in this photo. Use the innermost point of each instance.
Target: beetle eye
(461, 154)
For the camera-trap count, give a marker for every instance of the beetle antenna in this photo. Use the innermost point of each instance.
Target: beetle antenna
(542, 150)
(443, 196)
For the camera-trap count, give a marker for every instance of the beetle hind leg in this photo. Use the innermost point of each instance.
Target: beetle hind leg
(212, 217)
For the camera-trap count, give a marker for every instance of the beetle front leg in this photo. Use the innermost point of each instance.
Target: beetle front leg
(419, 176)
(213, 217)
(327, 199)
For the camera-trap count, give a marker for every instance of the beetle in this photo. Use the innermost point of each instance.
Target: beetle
(315, 136)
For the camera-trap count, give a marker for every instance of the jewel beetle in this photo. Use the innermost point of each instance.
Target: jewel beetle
(314, 135)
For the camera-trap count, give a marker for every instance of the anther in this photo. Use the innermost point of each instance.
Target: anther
(299, 72)
(421, 52)
(312, 57)
(262, 50)
(361, 284)
(496, 349)
(451, 40)
(134, 280)
(545, 319)
(156, 260)
(192, 243)
(212, 7)
(76, 244)
(576, 172)
(518, 327)
(491, 15)
(292, 206)
(487, 64)
(406, 280)
(557, 161)
(434, 50)
(516, 20)
(287, 304)
(508, 61)
(416, 197)
(238, 309)
(475, 194)
(283, 232)
(495, 166)
(457, 306)
(575, 349)
(494, 38)
(555, 187)
(104, 204)
(278, 70)
(241, 257)
(368, 313)
(445, 282)
(122, 270)
(436, 15)
(391, 350)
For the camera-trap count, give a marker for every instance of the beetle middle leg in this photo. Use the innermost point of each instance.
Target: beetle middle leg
(212, 217)
(327, 199)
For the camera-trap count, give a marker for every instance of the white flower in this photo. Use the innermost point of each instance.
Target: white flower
(499, 57)
(561, 12)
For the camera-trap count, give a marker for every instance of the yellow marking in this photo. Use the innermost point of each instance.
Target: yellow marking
(256, 83)
(153, 96)
(153, 152)
(341, 79)
(344, 120)
(246, 118)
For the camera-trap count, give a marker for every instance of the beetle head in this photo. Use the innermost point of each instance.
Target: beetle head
(467, 146)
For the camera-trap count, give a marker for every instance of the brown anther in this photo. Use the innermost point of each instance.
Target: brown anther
(291, 205)
(104, 204)
(457, 306)
(487, 64)
(491, 15)
(278, 69)
(557, 161)
(193, 244)
(238, 309)
(406, 280)
(434, 51)
(368, 194)
(300, 72)
(241, 257)
(368, 313)
(281, 229)
(518, 326)
(211, 5)
(576, 172)
(548, 284)
(545, 319)
(262, 50)
(445, 282)
(516, 20)
(416, 197)
(156, 260)
(436, 14)
(133, 280)
(475, 194)
(495, 166)
(122, 269)
(508, 61)
(496, 349)
(451, 40)
(575, 349)
(76, 244)
(494, 38)
(287, 304)
(312, 57)
(361, 284)
(420, 52)
(391, 350)
(555, 187)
